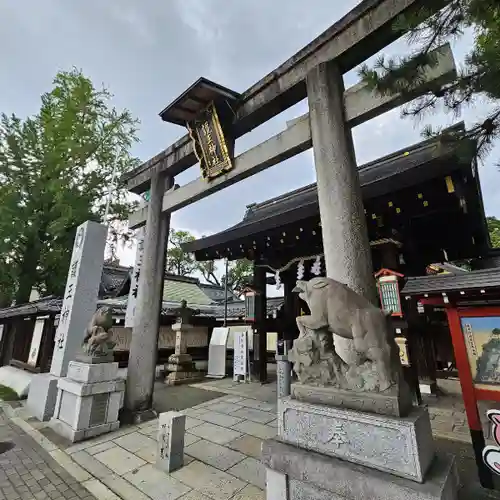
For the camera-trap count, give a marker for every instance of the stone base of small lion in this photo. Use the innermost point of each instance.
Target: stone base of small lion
(95, 359)
(316, 363)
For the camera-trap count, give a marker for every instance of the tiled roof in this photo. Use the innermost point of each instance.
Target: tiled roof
(175, 290)
(396, 171)
(217, 293)
(46, 305)
(473, 280)
(234, 309)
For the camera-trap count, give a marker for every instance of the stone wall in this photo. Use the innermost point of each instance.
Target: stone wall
(196, 337)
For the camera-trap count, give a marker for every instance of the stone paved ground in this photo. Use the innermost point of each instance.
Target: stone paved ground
(28, 472)
(448, 417)
(222, 447)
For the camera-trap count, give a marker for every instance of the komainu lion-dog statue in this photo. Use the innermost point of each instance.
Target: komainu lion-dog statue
(336, 309)
(97, 341)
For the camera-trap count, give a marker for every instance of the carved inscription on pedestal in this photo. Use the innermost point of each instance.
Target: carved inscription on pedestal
(385, 443)
(99, 409)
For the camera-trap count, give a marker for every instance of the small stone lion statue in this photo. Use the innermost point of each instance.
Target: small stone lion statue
(97, 341)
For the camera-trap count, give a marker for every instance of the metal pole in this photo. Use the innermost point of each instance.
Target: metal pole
(225, 295)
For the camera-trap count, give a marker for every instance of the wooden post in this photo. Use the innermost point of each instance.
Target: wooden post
(420, 345)
(49, 332)
(8, 338)
(290, 308)
(260, 336)
(411, 315)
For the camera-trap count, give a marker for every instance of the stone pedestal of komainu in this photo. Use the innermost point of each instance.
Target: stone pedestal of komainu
(336, 309)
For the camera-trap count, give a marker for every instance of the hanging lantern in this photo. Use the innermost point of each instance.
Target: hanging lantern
(249, 304)
(388, 287)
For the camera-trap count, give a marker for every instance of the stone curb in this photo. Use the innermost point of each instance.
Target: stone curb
(90, 483)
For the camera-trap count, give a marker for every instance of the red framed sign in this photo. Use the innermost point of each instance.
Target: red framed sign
(475, 333)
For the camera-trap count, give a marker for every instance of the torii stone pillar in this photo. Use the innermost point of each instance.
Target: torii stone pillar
(343, 224)
(144, 343)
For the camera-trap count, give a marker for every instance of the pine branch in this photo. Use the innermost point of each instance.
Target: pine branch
(480, 76)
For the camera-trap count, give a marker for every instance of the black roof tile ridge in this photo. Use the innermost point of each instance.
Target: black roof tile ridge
(477, 272)
(429, 143)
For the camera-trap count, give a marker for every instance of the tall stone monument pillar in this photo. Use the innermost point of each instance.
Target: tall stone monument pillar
(79, 304)
(144, 342)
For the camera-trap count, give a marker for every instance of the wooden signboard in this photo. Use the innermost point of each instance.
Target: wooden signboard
(210, 145)
(241, 354)
(475, 332)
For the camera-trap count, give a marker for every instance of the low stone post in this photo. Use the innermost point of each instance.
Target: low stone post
(170, 450)
(283, 370)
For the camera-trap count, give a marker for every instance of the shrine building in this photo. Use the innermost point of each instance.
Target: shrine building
(423, 205)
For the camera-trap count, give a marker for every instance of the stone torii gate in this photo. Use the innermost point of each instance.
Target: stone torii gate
(314, 72)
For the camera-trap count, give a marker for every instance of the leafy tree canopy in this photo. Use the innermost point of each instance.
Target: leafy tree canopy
(56, 169)
(479, 78)
(240, 272)
(494, 230)
(180, 262)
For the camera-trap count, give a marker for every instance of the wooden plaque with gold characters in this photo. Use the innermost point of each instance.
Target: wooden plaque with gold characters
(210, 144)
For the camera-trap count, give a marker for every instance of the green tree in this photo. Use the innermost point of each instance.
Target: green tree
(179, 262)
(239, 274)
(56, 169)
(494, 230)
(479, 78)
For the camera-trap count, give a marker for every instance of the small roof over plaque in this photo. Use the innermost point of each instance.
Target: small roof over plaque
(194, 100)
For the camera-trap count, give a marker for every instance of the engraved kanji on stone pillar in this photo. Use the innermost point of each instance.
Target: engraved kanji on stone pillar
(170, 450)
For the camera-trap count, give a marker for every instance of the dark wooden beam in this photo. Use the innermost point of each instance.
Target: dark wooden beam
(49, 332)
(260, 325)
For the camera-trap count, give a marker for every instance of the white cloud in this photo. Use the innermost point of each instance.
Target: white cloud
(148, 55)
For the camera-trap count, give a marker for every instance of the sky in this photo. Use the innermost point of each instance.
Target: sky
(147, 53)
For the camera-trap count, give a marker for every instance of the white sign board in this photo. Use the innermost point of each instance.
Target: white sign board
(134, 282)
(240, 354)
(80, 295)
(36, 341)
(217, 353)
